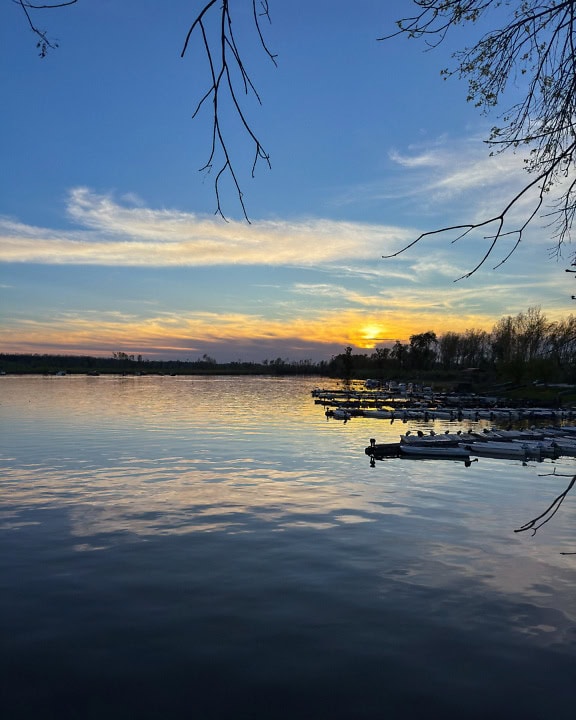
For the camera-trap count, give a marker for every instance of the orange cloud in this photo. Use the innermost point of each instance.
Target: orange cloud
(199, 332)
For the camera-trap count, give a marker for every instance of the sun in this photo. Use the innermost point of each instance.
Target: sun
(370, 335)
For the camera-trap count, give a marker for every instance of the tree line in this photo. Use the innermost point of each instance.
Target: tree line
(525, 347)
(130, 364)
(521, 348)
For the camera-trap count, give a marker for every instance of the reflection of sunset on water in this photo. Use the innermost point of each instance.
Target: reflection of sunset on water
(180, 510)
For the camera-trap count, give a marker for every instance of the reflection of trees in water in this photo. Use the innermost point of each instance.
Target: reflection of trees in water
(536, 523)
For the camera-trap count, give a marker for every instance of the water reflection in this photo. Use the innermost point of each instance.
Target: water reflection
(167, 537)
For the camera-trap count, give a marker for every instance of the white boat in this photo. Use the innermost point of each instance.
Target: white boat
(421, 440)
(497, 449)
(431, 451)
(527, 435)
(339, 414)
(565, 446)
(382, 414)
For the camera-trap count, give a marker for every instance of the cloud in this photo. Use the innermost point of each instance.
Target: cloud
(353, 297)
(109, 233)
(224, 333)
(443, 172)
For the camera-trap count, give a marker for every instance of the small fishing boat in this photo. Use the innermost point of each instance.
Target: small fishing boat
(382, 450)
(382, 414)
(339, 414)
(433, 451)
(498, 449)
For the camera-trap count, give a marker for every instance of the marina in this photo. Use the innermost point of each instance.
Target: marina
(479, 426)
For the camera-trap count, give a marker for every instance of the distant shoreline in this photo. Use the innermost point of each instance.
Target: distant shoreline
(31, 364)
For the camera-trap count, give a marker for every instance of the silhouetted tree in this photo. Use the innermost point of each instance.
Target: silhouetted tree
(449, 349)
(535, 42)
(399, 353)
(380, 358)
(422, 353)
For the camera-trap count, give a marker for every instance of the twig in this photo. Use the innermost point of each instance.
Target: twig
(43, 43)
(548, 514)
(223, 56)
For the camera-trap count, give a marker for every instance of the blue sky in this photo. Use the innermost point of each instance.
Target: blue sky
(108, 238)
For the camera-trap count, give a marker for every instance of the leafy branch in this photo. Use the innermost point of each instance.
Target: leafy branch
(535, 45)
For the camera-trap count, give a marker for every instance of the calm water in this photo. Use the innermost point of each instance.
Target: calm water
(215, 548)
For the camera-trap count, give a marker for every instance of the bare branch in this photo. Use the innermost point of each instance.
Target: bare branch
(224, 59)
(537, 44)
(499, 219)
(50, 6)
(44, 43)
(549, 513)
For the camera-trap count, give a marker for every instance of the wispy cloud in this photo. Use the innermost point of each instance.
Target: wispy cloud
(354, 297)
(443, 172)
(206, 331)
(113, 234)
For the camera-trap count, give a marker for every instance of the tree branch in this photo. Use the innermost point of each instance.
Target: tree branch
(224, 58)
(44, 43)
(538, 44)
(549, 513)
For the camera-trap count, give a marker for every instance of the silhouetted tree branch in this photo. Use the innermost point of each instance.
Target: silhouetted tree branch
(224, 58)
(549, 513)
(536, 43)
(532, 40)
(44, 43)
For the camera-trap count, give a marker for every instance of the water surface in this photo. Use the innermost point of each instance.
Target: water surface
(216, 548)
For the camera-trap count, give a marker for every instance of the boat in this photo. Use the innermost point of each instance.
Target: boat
(382, 414)
(428, 442)
(433, 451)
(498, 449)
(339, 414)
(382, 450)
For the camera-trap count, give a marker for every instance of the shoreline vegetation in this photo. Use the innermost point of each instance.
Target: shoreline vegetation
(525, 358)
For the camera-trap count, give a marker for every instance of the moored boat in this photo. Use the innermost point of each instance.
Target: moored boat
(497, 449)
(433, 451)
(382, 450)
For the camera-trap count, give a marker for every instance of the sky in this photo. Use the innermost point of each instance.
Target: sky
(109, 239)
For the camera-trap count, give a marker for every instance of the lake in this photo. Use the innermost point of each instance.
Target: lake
(214, 547)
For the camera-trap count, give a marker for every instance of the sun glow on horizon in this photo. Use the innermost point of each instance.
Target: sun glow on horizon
(370, 336)
(186, 334)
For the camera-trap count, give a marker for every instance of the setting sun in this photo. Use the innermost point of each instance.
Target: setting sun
(370, 335)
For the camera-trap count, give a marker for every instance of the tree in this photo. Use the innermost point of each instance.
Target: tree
(380, 357)
(347, 364)
(531, 39)
(224, 60)
(536, 43)
(422, 352)
(228, 78)
(449, 349)
(474, 347)
(398, 353)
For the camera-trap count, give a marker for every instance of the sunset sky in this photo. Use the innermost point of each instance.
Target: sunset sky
(108, 237)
